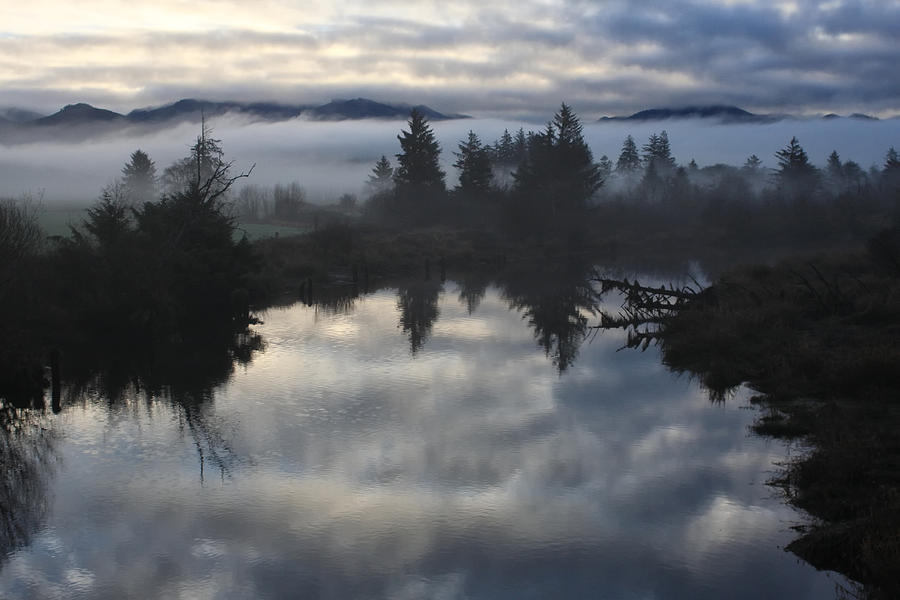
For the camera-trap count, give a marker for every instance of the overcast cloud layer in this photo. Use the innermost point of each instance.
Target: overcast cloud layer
(509, 59)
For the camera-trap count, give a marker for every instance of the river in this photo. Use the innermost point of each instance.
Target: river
(433, 440)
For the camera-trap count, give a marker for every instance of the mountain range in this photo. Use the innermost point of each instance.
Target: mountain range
(75, 120)
(81, 121)
(718, 112)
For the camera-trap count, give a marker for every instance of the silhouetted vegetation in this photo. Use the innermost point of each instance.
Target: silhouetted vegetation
(28, 456)
(818, 339)
(128, 275)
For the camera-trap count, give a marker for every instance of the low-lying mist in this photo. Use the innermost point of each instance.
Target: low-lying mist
(332, 158)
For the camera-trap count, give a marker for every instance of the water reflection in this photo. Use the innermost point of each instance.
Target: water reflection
(185, 369)
(470, 469)
(472, 287)
(28, 458)
(556, 301)
(417, 302)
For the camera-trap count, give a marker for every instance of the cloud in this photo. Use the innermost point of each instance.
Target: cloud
(497, 60)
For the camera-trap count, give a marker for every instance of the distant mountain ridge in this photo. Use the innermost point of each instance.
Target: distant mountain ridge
(76, 114)
(82, 116)
(720, 112)
(18, 115)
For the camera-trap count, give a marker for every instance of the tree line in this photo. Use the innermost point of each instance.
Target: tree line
(536, 181)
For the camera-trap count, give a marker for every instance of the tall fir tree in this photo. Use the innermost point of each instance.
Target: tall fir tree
(796, 176)
(890, 175)
(658, 151)
(381, 179)
(834, 170)
(139, 178)
(559, 169)
(629, 161)
(418, 165)
(474, 164)
(753, 164)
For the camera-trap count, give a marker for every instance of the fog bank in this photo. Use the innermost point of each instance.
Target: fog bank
(332, 158)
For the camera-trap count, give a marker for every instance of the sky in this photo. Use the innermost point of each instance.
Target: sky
(499, 59)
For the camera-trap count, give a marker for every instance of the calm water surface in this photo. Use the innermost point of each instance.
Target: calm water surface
(407, 448)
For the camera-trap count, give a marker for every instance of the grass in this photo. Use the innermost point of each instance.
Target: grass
(261, 231)
(57, 221)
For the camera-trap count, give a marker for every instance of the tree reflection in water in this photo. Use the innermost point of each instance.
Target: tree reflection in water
(184, 372)
(27, 459)
(557, 303)
(418, 305)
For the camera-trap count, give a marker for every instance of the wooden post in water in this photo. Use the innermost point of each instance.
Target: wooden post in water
(443, 270)
(366, 278)
(309, 291)
(427, 269)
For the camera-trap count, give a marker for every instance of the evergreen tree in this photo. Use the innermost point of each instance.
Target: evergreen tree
(854, 176)
(891, 160)
(792, 159)
(605, 167)
(381, 179)
(796, 175)
(107, 221)
(629, 161)
(753, 164)
(834, 169)
(474, 164)
(505, 157)
(418, 166)
(834, 165)
(574, 159)
(649, 149)
(658, 152)
(664, 152)
(139, 178)
(504, 151)
(890, 175)
(521, 146)
(559, 170)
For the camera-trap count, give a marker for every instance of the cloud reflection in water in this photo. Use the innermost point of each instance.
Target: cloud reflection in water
(471, 469)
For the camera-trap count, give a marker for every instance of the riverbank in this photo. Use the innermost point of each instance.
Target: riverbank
(819, 339)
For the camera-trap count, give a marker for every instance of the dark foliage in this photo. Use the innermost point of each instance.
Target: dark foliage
(474, 163)
(418, 165)
(796, 176)
(148, 275)
(557, 178)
